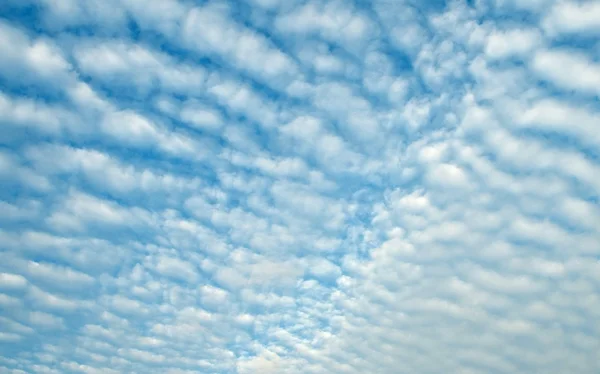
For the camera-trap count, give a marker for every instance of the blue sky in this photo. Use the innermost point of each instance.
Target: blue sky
(291, 186)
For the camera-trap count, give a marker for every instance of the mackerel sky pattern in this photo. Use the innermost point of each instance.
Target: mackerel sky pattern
(299, 187)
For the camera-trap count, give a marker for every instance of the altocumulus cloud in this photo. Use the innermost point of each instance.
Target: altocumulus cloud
(278, 186)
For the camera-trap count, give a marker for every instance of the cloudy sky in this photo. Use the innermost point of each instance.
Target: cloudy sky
(291, 186)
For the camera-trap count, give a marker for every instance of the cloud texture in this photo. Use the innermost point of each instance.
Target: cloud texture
(270, 186)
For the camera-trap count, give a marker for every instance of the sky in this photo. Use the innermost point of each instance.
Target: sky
(299, 186)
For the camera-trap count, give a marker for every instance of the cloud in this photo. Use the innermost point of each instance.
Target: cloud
(20, 112)
(9, 301)
(135, 129)
(9, 337)
(45, 320)
(201, 117)
(299, 187)
(259, 364)
(13, 171)
(571, 17)
(511, 43)
(105, 171)
(35, 61)
(551, 64)
(564, 118)
(12, 281)
(173, 267)
(114, 63)
(51, 301)
(62, 277)
(333, 21)
(125, 306)
(209, 29)
(448, 175)
(80, 209)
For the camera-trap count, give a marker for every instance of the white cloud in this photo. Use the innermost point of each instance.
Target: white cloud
(24, 211)
(9, 301)
(72, 13)
(448, 175)
(335, 21)
(176, 268)
(106, 171)
(38, 115)
(504, 283)
(213, 296)
(201, 117)
(124, 64)
(13, 171)
(122, 304)
(572, 17)
(9, 337)
(80, 209)
(316, 187)
(262, 364)
(12, 281)
(134, 129)
(51, 301)
(241, 99)
(539, 157)
(81, 253)
(307, 135)
(354, 113)
(164, 15)
(569, 70)
(32, 60)
(529, 5)
(16, 326)
(323, 269)
(62, 277)
(582, 212)
(509, 43)
(211, 30)
(45, 320)
(562, 118)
